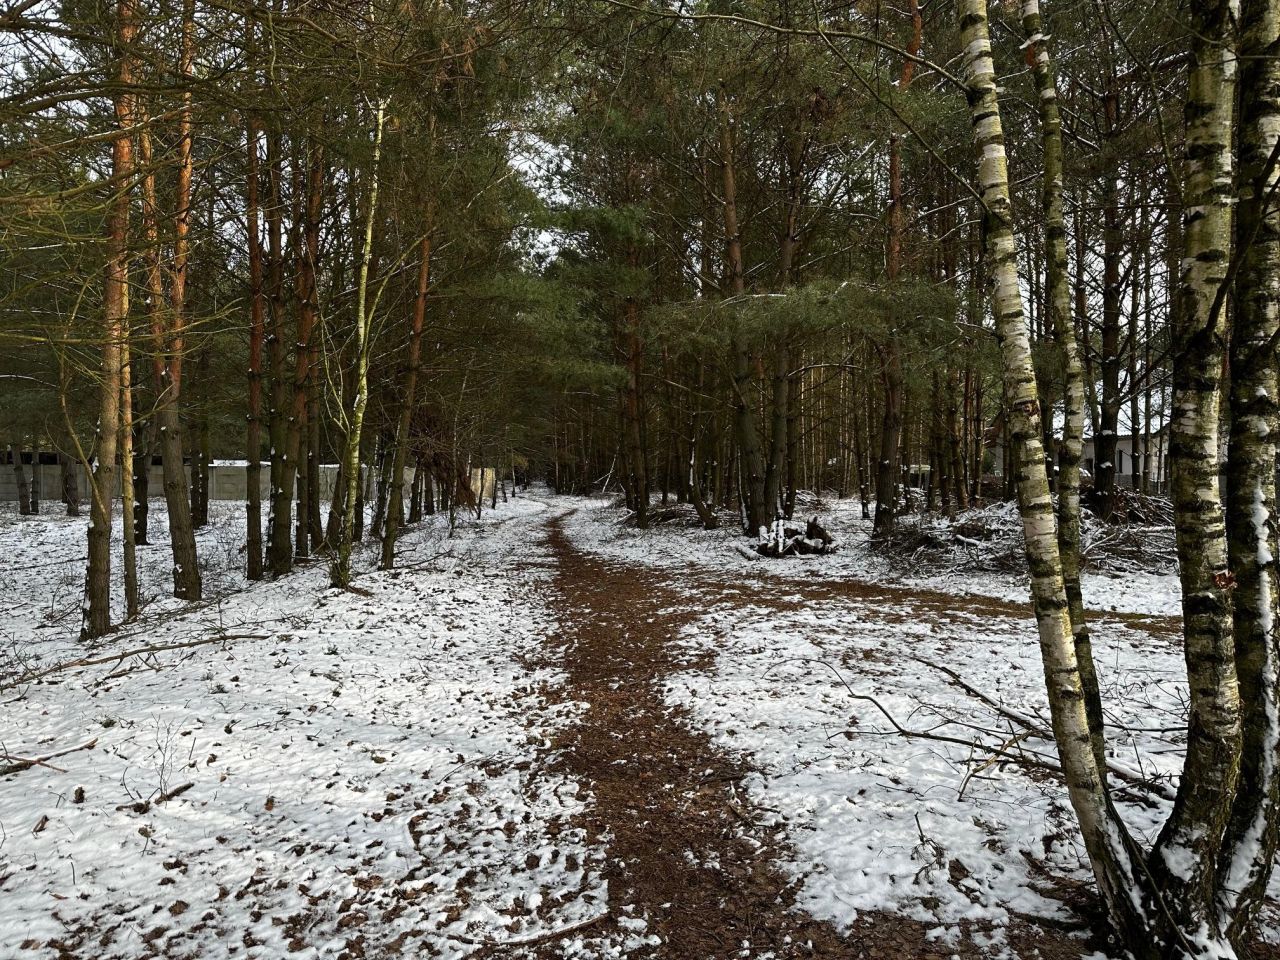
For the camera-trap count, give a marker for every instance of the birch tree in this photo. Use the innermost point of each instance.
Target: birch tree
(1251, 837)
(1104, 837)
(1058, 299)
(340, 569)
(1196, 892)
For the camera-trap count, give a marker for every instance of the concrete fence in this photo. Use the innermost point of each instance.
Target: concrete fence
(227, 481)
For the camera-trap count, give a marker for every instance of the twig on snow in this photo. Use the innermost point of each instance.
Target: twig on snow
(1134, 778)
(535, 937)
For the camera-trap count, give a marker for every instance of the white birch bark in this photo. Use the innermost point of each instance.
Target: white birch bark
(1058, 298)
(1250, 845)
(1185, 856)
(1111, 851)
(340, 572)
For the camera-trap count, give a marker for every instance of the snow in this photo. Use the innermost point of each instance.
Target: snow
(369, 771)
(343, 766)
(813, 687)
(1136, 592)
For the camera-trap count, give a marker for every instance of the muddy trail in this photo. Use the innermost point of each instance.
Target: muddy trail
(685, 845)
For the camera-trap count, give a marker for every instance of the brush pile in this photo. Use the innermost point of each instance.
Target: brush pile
(990, 539)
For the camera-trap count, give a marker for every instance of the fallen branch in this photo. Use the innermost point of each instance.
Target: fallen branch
(23, 763)
(1127, 774)
(142, 806)
(535, 937)
(125, 654)
(1027, 758)
(423, 564)
(1019, 718)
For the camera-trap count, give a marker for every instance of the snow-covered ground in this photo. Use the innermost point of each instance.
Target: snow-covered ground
(365, 773)
(345, 774)
(1136, 592)
(821, 690)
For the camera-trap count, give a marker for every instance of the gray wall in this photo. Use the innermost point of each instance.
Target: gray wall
(226, 482)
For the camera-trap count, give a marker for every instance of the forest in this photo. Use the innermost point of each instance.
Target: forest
(656, 478)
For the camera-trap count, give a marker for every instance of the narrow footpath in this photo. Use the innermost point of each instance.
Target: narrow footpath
(685, 845)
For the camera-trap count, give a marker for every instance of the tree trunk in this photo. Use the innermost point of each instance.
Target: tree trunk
(20, 478)
(1105, 450)
(860, 457)
(1251, 837)
(756, 514)
(705, 514)
(633, 407)
(774, 471)
(257, 335)
(1058, 297)
(36, 474)
(126, 487)
(888, 472)
(115, 310)
(1184, 857)
(955, 443)
(1081, 296)
(793, 443)
(337, 504)
(340, 572)
(143, 452)
(1135, 305)
(362, 494)
(384, 460)
(887, 466)
(1105, 838)
(415, 495)
(299, 436)
(302, 489)
(407, 407)
(280, 528)
(186, 566)
(200, 455)
(979, 443)
(70, 487)
(314, 524)
(166, 363)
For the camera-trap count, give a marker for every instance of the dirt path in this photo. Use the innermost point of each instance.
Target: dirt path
(685, 845)
(778, 588)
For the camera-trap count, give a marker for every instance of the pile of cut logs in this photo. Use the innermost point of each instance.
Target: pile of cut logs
(784, 540)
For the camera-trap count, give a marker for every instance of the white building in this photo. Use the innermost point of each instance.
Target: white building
(1129, 452)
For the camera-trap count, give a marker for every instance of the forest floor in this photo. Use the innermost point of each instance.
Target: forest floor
(554, 736)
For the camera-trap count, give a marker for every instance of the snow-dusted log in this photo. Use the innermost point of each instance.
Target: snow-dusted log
(783, 540)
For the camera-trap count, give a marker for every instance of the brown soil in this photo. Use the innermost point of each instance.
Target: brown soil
(919, 600)
(685, 845)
